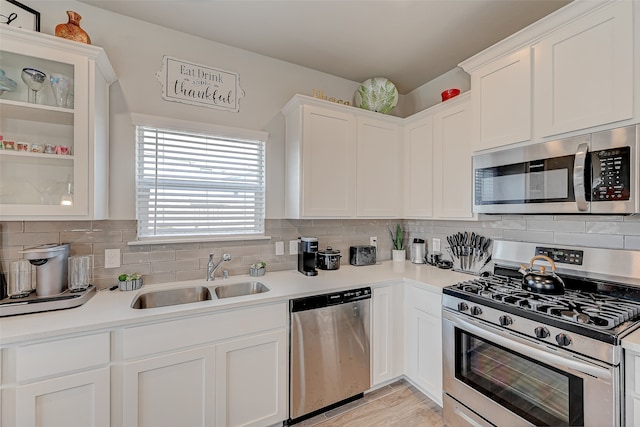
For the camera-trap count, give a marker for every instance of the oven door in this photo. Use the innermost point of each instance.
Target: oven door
(509, 380)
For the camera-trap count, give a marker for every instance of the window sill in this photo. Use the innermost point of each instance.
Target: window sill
(168, 240)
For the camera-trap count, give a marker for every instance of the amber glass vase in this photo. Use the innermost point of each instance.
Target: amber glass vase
(72, 30)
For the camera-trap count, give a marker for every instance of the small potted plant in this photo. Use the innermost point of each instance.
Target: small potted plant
(399, 253)
(129, 282)
(258, 269)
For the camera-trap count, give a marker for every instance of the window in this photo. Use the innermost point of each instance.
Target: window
(196, 183)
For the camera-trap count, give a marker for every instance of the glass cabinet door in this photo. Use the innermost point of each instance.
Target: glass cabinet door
(45, 124)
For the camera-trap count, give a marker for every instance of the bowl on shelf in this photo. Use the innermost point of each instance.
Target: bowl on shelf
(6, 84)
(449, 93)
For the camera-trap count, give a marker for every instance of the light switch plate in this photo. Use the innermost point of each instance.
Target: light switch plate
(111, 258)
(436, 245)
(279, 248)
(293, 247)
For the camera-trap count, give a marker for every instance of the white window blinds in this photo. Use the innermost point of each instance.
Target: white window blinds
(194, 184)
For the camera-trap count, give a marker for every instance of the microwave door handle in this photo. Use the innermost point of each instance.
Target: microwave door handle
(579, 173)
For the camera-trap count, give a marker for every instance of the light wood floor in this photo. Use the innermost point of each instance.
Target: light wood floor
(398, 404)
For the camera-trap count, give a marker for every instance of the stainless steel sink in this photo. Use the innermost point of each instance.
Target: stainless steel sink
(240, 289)
(172, 297)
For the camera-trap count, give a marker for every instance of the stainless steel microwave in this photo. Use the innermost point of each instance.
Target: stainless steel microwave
(593, 173)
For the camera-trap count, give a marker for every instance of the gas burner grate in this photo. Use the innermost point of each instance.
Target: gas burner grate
(587, 308)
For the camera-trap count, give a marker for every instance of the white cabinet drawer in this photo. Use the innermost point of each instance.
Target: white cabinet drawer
(424, 300)
(181, 333)
(64, 355)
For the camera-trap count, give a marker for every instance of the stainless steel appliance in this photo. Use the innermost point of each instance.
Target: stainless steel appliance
(328, 259)
(307, 251)
(362, 255)
(330, 346)
(520, 358)
(52, 293)
(593, 173)
(51, 261)
(418, 251)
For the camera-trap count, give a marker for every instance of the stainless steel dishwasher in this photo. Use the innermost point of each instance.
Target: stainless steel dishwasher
(330, 361)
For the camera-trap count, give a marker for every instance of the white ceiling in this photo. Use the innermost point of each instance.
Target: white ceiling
(409, 42)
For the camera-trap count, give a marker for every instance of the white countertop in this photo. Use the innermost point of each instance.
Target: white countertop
(110, 309)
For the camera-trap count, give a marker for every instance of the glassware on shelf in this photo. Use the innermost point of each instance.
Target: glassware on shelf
(6, 84)
(61, 86)
(34, 79)
(67, 198)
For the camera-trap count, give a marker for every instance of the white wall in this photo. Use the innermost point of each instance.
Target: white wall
(136, 49)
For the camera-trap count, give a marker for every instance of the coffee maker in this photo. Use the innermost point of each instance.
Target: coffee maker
(51, 267)
(307, 250)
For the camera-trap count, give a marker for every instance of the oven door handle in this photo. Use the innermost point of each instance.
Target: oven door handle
(579, 174)
(518, 345)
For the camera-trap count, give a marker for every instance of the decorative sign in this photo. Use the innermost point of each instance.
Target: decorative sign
(317, 93)
(200, 85)
(19, 15)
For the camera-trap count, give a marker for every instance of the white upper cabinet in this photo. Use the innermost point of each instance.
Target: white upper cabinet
(341, 162)
(501, 101)
(570, 71)
(418, 171)
(584, 72)
(60, 172)
(378, 168)
(320, 159)
(452, 171)
(437, 162)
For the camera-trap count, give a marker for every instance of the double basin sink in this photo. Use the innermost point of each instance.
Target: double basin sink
(163, 298)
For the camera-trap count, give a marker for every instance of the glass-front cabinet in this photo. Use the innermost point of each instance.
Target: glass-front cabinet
(54, 114)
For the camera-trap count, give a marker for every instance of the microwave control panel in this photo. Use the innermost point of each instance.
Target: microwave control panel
(611, 175)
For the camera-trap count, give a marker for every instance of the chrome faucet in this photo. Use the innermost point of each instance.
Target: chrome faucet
(212, 266)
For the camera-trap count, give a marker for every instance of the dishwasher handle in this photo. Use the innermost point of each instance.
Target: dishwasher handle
(327, 300)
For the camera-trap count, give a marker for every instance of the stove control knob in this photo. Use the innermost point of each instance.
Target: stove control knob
(505, 320)
(542, 332)
(476, 311)
(462, 306)
(563, 340)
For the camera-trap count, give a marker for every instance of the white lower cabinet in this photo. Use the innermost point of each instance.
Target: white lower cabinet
(60, 383)
(251, 380)
(176, 389)
(386, 336)
(423, 340)
(632, 389)
(222, 369)
(76, 400)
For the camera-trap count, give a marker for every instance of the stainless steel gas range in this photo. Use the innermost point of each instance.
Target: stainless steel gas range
(519, 358)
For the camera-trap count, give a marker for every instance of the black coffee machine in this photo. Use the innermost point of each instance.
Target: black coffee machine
(307, 250)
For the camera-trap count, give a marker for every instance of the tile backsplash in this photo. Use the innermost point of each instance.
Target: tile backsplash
(161, 263)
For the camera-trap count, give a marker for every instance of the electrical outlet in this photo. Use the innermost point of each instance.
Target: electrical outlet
(436, 245)
(279, 248)
(111, 258)
(293, 247)
(373, 241)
